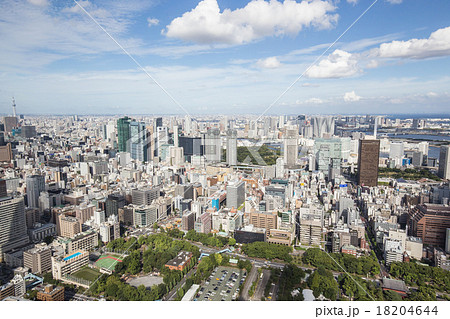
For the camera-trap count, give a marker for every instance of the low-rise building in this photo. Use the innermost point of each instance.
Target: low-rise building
(50, 293)
(63, 266)
(180, 262)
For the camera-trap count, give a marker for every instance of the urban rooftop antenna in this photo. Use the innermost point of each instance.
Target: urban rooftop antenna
(14, 107)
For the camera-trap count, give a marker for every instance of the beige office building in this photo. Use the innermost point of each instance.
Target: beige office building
(38, 259)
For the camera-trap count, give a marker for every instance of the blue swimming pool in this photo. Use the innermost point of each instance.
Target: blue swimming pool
(71, 256)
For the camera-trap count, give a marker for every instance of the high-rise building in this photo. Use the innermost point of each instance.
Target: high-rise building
(144, 196)
(235, 194)
(187, 221)
(38, 259)
(322, 125)
(176, 134)
(113, 203)
(444, 162)
(232, 147)
(203, 223)
(213, 145)
(35, 185)
(110, 229)
(264, 220)
(10, 123)
(162, 140)
(3, 188)
(69, 226)
(310, 231)
(368, 160)
(28, 131)
(291, 147)
(158, 122)
(13, 229)
(396, 150)
(328, 154)
(123, 134)
(429, 222)
(5, 153)
(138, 141)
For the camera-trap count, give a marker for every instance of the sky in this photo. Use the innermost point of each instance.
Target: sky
(225, 57)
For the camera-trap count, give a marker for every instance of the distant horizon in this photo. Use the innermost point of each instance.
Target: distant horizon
(391, 115)
(298, 56)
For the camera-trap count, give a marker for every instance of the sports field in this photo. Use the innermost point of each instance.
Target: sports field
(107, 261)
(87, 273)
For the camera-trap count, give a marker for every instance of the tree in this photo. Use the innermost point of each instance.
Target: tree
(231, 241)
(111, 290)
(48, 240)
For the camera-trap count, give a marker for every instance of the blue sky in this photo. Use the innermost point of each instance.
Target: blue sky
(225, 56)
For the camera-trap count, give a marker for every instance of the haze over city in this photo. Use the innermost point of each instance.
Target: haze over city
(56, 60)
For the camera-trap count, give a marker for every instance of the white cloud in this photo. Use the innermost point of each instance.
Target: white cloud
(313, 100)
(354, 2)
(395, 1)
(351, 97)
(372, 64)
(269, 63)
(152, 21)
(33, 38)
(258, 19)
(438, 44)
(339, 64)
(310, 85)
(40, 3)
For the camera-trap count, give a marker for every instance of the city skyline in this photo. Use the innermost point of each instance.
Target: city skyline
(57, 60)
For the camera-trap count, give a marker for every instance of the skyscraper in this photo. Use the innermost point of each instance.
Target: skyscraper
(10, 123)
(13, 229)
(231, 147)
(444, 162)
(123, 133)
(369, 153)
(213, 146)
(291, 147)
(235, 194)
(35, 185)
(138, 141)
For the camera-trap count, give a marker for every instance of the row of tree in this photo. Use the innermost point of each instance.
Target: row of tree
(366, 265)
(209, 239)
(421, 276)
(268, 251)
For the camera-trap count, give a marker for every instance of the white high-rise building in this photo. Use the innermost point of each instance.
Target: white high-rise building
(291, 146)
(231, 147)
(397, 150)
(444, 162)
(187, 124)
(213, 145)
(176, 134)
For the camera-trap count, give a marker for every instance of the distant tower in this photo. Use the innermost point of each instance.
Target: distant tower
(14, 107)
(375, 127)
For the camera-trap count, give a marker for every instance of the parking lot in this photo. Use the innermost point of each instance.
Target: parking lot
(222, 285)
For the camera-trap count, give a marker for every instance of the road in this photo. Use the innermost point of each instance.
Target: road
(252, 276)
(259, 291)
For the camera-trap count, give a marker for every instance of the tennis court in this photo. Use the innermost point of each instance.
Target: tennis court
(107, 261)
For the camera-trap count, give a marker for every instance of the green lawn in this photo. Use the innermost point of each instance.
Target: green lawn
(87, 273)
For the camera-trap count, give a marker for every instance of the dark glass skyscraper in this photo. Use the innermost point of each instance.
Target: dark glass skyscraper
(123, 133)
